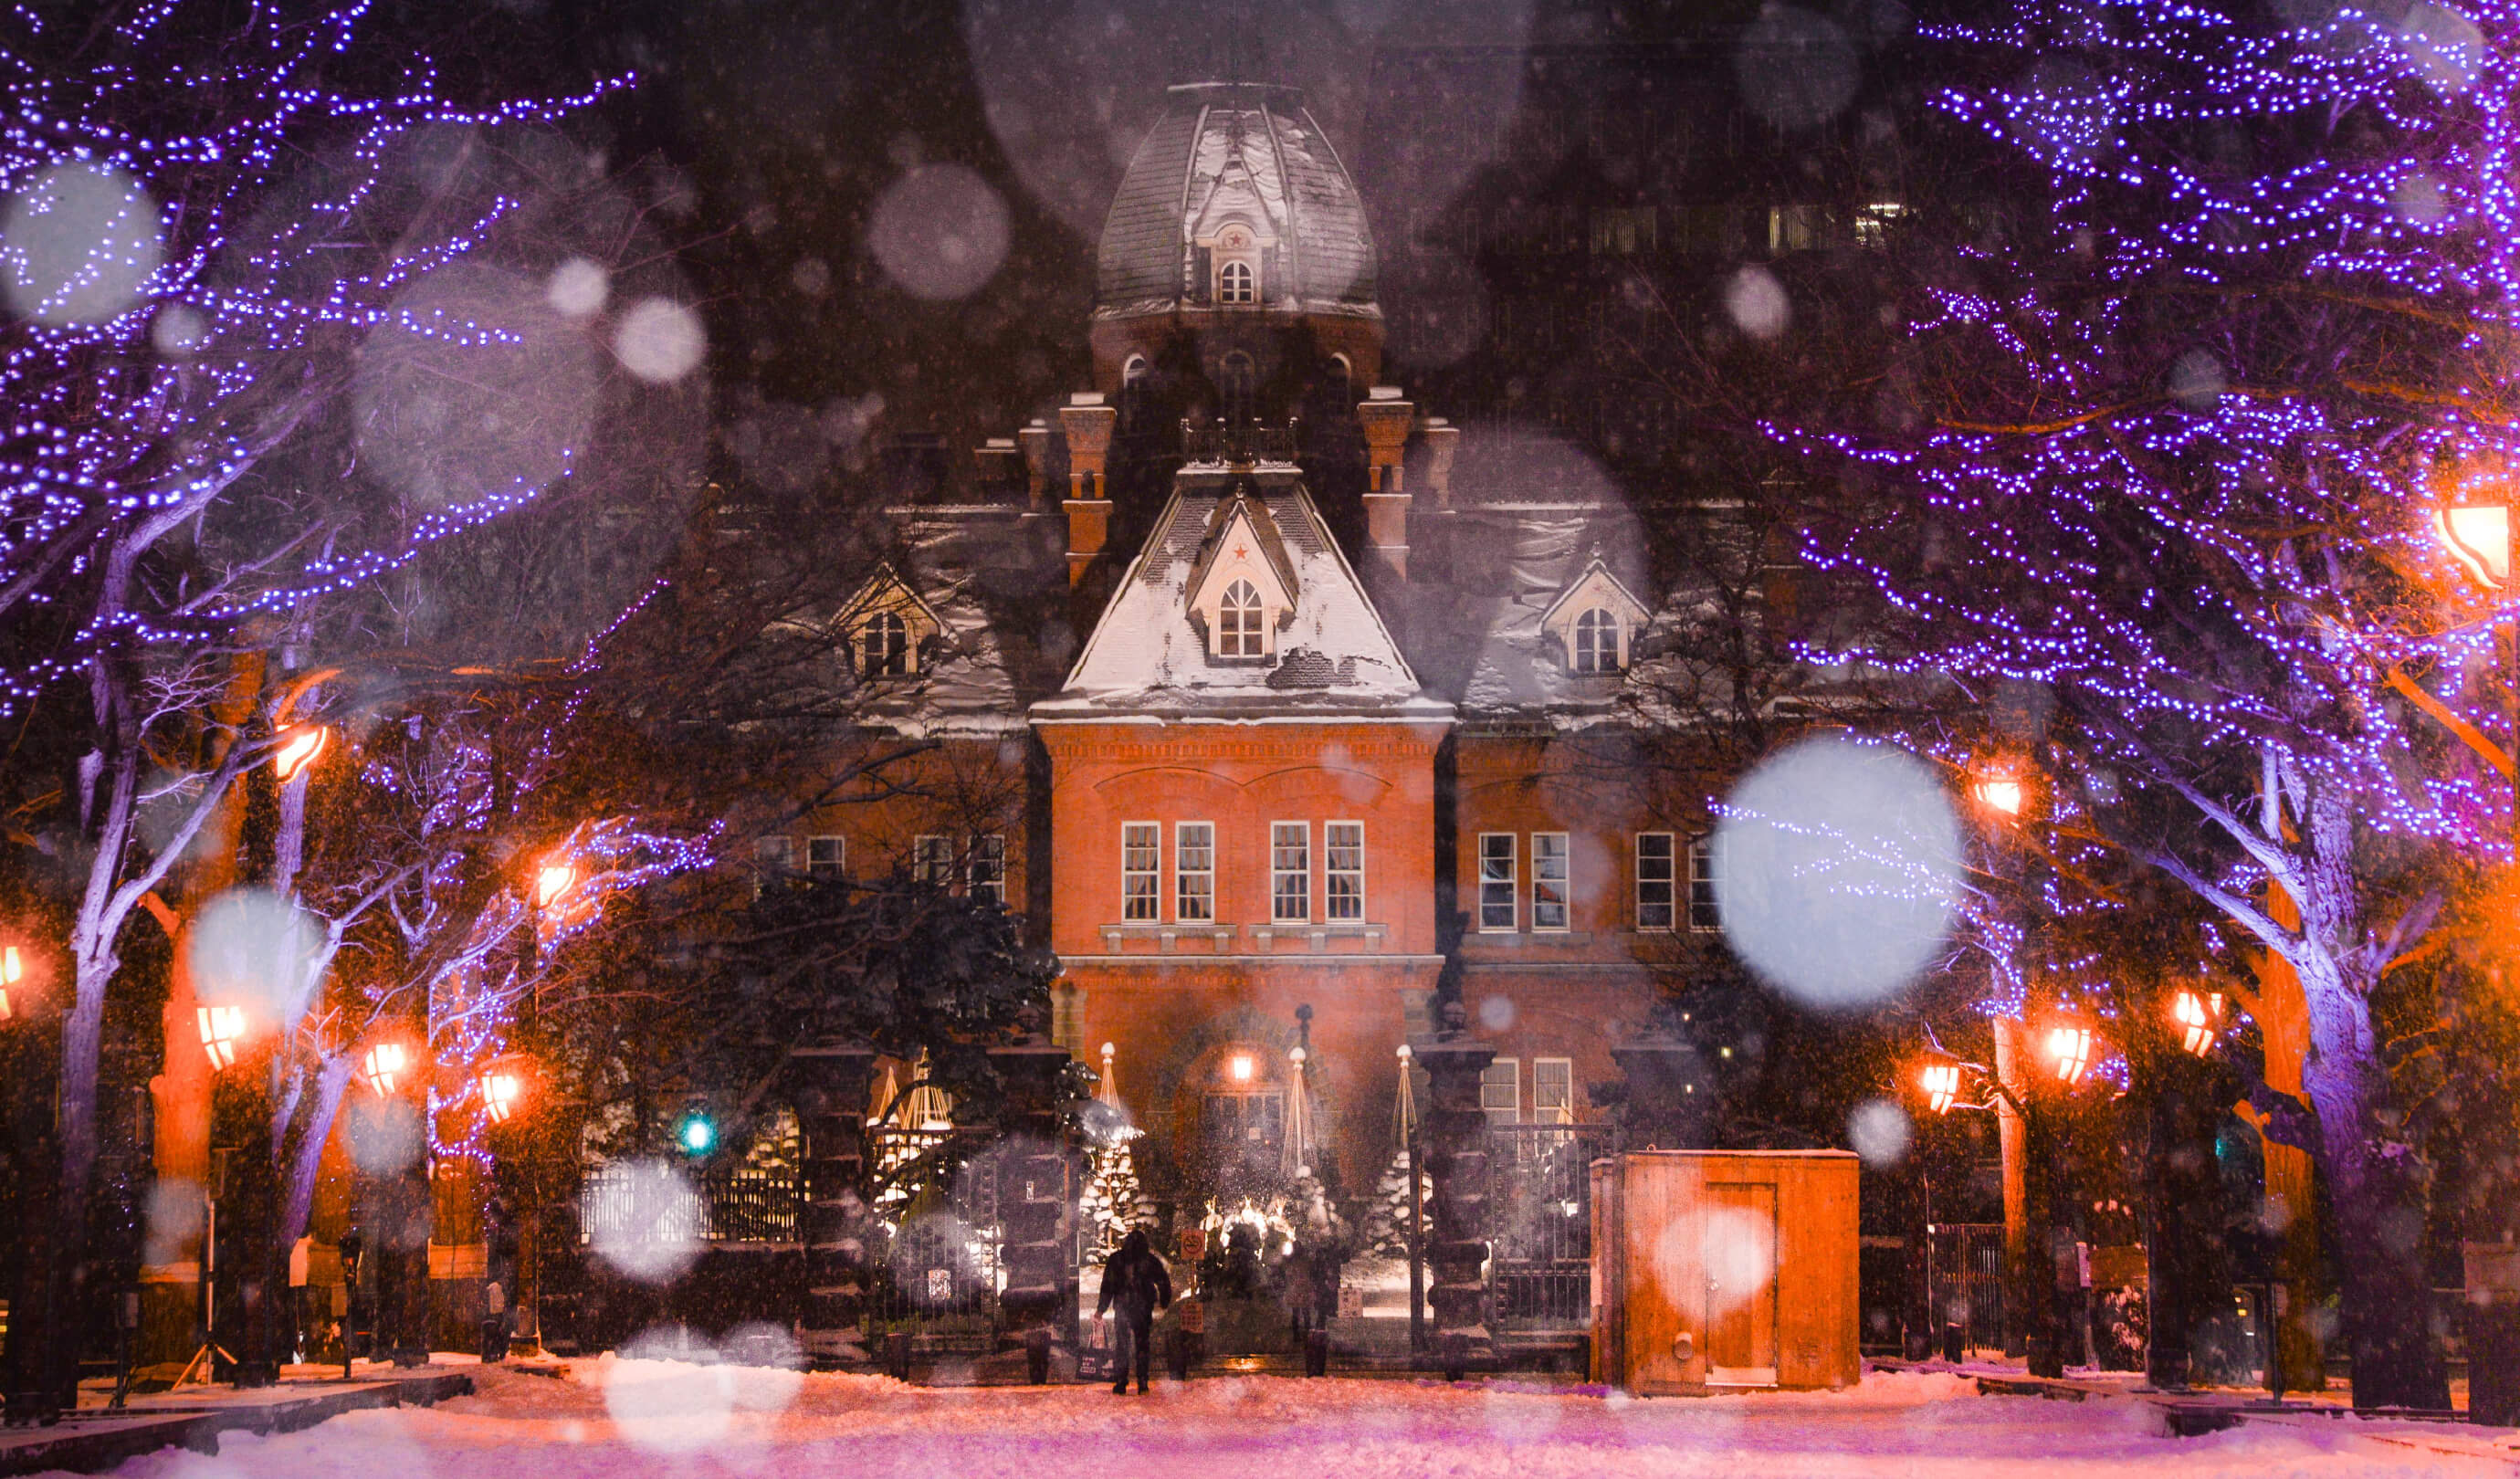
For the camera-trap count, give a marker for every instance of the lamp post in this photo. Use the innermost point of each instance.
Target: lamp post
(2002, 797)
(1408, 1114)
(38, 1374)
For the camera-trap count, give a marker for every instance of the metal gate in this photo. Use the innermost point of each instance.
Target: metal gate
(1540, 1206)
(1965, 1280)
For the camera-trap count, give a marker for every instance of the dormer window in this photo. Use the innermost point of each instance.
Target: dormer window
(1239, 632)
(1237, 255)
(1234, 283)
(883, 647)
(1596, 641)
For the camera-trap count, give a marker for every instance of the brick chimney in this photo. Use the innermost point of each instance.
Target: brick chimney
(1035, 439)
(997, 468)
(1443, 443)
(1386, 418)
(1088, 424)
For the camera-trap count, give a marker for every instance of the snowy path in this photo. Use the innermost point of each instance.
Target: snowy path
(703, 1423)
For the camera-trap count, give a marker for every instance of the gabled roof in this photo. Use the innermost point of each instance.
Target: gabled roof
(1635, 610)
(1248, 515)
(1146, 659)
(992, 588)
(885, 588)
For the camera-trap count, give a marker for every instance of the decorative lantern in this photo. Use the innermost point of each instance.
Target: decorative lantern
(503, 1088)
(13, 969)
(1239, 1068)
(1998, 792)
(384, 1063)
(2478, 535)
(298, 750)
(221, 1028)
(552, 880)
(2199, 1015)
(1939, 1078)
(2070, 1044)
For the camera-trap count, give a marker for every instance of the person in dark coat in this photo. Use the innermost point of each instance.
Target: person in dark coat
(1136, 1282)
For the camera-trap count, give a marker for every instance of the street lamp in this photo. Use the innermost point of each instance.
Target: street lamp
(2069, 1048)
(222, 1027)
(13, 969)
(2478, 535)
(298, 750)
(1998, 790)
(552, 880)
(1939, 1078)
(2199, 1015)
(384, 1063)
(503, 1087)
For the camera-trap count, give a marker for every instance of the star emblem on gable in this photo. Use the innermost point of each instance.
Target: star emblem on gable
(1239, 553)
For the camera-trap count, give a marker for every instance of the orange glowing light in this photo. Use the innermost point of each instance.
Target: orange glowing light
(503, 1086)
(552, 880)
(1940, 1081)
(2069, 1048)
(2200, 1020)
(2479, 537)
(222, 1029)
(2001, 793)
(299, 750)
(384, 1063)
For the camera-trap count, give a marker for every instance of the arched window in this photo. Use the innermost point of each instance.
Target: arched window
(1596, 641)
(1238, 622)
(883, 647)
(1234, 284)
(1134, 370)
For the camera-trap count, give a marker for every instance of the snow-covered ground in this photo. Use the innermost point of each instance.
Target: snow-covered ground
(616, 1419)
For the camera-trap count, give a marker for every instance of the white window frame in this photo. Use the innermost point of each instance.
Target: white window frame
(1497, 890)
(1541, 882)
(1554, 1104)
(1301, 877)
(1491, 1080)
(1142, 889)
(891, 662)
(1704, 916)
(1238, 281)
(1585, 652)
(1240, 626)
(1668, 884)
(986, 872)
(1334, 904)
(837, 867)
(1183, 850)
(931, 859)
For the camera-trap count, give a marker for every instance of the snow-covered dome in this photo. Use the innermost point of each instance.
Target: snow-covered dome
(1236, 200)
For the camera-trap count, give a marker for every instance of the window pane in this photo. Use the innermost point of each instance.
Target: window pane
(1654, 880)
(1343, 869)
(934, 861)
(1704, 916)
(826, 857)
(1194, 860)
(1290, 870)
(1496, 880)
(1553, 1090)
(1141, 863)
(1500, 1090)
(774, 855)
(989, 868)
(1549, 880)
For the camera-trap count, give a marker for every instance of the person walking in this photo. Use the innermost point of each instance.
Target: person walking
(1136, 1282)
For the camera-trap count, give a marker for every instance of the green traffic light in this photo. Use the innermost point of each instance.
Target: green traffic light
(698, 1134)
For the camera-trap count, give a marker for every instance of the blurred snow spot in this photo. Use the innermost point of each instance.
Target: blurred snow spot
(1740, 1249)
(663, 1398)
(767, 1363)
(178, 329)
(939, 232)
(1444, 319)
(1757, 303)
(1879, 1131)
(1836, 864)
(578, 288)
(659, 340)
(252, 948)
(811, 276)
(2419, 198)
(1797, 70)
(385, 1134)
(645, 1220)
(174, 1216)
(2196, 380)
(1496, 1013)
(474, 388)
(2445, 46)
(78, 244)
(1104, 1125)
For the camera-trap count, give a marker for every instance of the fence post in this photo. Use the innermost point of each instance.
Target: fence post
(1456, 1140)
(834, 1081)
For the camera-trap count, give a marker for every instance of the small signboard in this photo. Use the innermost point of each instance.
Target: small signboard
(940, 1285)
(1351, 1304)
(1193, 1244)
(1193, 1318)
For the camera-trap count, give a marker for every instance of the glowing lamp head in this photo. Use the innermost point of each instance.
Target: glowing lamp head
(2479, 537)
(2069, 1051)
(697, 1134)
(2199, 1015)
(552, 880)
(1998, 793)
(1296, 1056)
(383, 1066)
(1239, 1068)
(1939, 1078)
(298, 750)
(502, 1088)
(223, 1028)
(13, 969)
(1405, 1053)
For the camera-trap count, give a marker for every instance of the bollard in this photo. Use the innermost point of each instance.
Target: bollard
(1037, 1357)
(1317, 1352)
(1955, 1342)
(1177, 1358)
(896, 1351)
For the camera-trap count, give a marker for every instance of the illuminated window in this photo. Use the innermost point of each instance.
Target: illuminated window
(1343, 869)
(1238, 622)
(1549, 880)
(1655, 881)
(883, 647)
(1596, 641)
(1234, 284)
(1500, 1090)
(1141, 867)
(1553, 1090)
(826, 857)
(988, 869)
(932, 861)
(1290, 870)
(1195, 871)
(1496, 880)
(1704, 916)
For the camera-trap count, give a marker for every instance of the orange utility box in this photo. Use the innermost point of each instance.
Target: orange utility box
(1722, 1270)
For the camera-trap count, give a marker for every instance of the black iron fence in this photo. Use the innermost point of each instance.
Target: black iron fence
(1964, 1276)
(1539, 1198)
(634, 1203)
(1237, 446)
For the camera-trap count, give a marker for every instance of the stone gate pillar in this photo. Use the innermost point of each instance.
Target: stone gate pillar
(1035, 1205)
(831, 1084)
(1456, 1132)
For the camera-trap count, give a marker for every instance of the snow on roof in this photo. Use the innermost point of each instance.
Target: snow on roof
(1146, 657)
(988, 581)
(1479, 635)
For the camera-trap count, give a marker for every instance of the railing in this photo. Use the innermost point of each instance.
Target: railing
(625, 1204)
(1540, 1199)
(1964, 1276)
(1242, 445)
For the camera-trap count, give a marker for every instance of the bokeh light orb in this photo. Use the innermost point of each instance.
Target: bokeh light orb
(78, 245)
